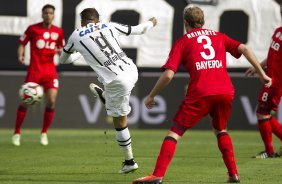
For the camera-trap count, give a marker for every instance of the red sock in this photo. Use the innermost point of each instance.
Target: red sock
(165, 156)
(276, 127)
(266, 135)
(48, 118)
(21, 113)
(225, 146)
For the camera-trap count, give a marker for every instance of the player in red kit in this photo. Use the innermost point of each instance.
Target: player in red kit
(210, 92)
(269, 98)
(45, 41)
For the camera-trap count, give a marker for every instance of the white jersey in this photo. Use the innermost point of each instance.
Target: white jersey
(98, 44)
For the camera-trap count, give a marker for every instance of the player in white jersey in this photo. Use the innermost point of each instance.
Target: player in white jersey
(97, 42)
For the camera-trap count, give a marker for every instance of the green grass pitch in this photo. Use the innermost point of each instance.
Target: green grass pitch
(92, 156)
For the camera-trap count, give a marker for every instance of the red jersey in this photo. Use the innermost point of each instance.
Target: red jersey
(43, 44)
(203, 53)
(274, 59)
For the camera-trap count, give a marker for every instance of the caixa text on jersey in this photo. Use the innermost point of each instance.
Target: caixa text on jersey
(92, 29)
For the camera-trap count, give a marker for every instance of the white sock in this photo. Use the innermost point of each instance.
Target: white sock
(124, 140)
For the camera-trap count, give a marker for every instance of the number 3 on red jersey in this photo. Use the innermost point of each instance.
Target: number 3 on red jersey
(206, 46)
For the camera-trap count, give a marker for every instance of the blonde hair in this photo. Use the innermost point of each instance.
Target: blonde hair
(194, 16)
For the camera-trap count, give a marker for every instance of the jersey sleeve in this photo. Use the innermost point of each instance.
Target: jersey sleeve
(69, 47)
(175, 57)
(121, 29)
(25, 38)
(231, 46)
(132, 30)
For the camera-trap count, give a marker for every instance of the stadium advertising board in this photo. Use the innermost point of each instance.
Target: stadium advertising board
(251, 22)
(76, 108)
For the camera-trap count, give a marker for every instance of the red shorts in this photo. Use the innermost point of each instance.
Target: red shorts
(193, 110)
(47, 81)
(268, 100)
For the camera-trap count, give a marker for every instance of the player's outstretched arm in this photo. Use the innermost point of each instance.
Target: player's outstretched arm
(69, 54)
(66, 58)
(251, 71)
(134, 30)
(144, 27)
(248, 53)
(163, 81)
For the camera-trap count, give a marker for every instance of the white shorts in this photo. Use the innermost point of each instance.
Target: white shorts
(118, 91)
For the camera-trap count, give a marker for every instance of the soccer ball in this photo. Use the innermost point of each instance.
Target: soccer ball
(31, 93)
